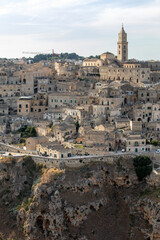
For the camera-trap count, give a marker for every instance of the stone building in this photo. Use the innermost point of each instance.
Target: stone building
(132, 65)
(122, 46)
(135, 76)
(100, 139)
(111, 103)
(54, 150)
(4, 109)
(32, 142)
(90, 62)
(136, 126)
(107, 56)
(147, 95)
(10, 90)
(32, 106)
(122, 123)
(63, 132)
(55, 114)
(136, 143)
(56, 100)
(147, 112)
(66, 69)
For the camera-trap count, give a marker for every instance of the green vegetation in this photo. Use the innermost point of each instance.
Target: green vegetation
(155, 192)
(26, 132)
(143, 166)
(33, 172)
(26, 204)
(155, 142)
(72, 56)
(31, 166)
(42, 57)
(77, 126)
(52, 128)
(119, 165)
(62, 56)
(78, 146)
(97, 56)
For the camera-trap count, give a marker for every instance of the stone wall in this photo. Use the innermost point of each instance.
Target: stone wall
(80, 161)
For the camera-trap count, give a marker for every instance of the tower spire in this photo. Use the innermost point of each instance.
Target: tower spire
(122, 46)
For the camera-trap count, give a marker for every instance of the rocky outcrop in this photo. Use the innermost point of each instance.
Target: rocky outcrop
(97, 201)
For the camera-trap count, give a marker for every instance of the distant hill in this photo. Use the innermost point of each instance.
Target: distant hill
(62, 56)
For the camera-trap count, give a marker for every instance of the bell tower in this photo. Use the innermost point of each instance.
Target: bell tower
(122, 46)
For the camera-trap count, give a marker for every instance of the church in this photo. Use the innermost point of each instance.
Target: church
(122, 53)
(122, 46)
(118, 68)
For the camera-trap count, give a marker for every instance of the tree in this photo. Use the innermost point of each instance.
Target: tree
(77, 126)
(143, 166)
(155, 142)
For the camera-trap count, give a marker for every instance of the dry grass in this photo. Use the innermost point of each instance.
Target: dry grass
(51, 174)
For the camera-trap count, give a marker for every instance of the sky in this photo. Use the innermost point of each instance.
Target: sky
(87, 27)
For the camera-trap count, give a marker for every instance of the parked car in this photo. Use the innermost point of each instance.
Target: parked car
(123, 150)
(158, 151)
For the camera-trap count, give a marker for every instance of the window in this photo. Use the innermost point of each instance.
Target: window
(26, 105)
(136, 144)
(20, 105)
(129, 143)
(51, 100)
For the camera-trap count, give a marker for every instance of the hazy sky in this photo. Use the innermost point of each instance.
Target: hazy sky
(87, 27)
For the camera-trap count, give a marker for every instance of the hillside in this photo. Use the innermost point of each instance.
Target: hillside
(97, 201)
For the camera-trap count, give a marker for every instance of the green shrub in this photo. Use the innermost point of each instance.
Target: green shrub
(143, 166)
(13, 161)
(27, 131)
(155, 142)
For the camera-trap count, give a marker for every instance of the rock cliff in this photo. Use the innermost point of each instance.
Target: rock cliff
(99, 201)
